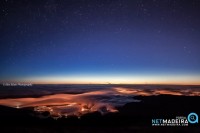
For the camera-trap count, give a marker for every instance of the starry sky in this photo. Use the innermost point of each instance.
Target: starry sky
(100, 41)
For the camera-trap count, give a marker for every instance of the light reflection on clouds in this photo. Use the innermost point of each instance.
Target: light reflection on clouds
(104, 100)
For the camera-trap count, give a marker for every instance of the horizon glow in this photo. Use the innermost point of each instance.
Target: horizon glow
(117, 79)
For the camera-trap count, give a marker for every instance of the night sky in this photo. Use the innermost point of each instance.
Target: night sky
(100, 41)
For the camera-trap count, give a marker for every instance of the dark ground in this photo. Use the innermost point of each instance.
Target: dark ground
(133, 117)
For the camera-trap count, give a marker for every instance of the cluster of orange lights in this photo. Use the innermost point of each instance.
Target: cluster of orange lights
(59, 105)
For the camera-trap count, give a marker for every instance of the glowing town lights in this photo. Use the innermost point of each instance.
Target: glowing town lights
(104, 101)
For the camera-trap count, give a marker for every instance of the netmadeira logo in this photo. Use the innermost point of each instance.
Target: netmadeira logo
(192, 119)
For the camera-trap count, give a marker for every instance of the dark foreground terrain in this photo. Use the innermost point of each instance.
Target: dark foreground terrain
(131, 118)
